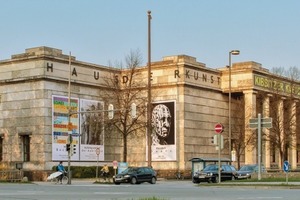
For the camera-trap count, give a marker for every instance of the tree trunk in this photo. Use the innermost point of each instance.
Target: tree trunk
(124, 148)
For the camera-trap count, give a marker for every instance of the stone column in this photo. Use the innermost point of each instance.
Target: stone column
(292, 151)
(250, 112)
(281, 134)
(266, 153)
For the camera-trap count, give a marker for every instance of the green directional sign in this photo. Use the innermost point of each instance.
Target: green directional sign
(253, 123)
(265, 123)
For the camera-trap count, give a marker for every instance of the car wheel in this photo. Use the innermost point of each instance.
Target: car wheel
(117, 183)
(216, 180)
(196, 181)
(153, 180)
(133, 180)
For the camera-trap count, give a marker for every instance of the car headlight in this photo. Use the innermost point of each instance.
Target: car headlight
(126, 176)
(209, 174)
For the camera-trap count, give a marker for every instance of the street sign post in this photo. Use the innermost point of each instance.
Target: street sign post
(286, 168)
(97, 153)
(219, 129)
(259, 123)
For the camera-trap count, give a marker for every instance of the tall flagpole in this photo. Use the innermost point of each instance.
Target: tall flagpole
(149, 92)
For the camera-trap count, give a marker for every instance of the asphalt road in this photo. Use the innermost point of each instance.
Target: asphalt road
(167, 190)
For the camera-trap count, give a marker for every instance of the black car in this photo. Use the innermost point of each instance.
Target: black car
(136, 175)
(248, 170)
(210, 174)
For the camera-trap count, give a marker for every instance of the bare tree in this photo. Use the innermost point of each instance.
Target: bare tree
(239, 140)
(283, 132)
(127, 88)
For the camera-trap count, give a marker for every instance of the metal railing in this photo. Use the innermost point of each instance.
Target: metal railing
(11, 175)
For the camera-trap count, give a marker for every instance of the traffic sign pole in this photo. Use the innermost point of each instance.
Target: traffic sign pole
(97, 153)
(219, 129)
(259, 146)
(219, 157)
(259, 123)
(286, 167)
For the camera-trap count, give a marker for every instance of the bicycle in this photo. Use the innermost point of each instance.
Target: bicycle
(64, 179)
(105, 176)
(179, 176)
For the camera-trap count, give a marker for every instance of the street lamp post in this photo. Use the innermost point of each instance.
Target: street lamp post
(149, 92)
(233, 52)
(69, 122)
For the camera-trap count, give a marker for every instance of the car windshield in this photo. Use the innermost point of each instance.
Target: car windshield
(129, 170)
(211, 168)
(248, 168)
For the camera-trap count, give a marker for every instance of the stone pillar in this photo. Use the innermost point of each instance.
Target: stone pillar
(250, 112)
(292, 151)
(281, 134)
(266, 153)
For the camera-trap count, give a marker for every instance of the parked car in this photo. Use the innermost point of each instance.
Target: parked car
(247, 171)
(136, 175)
(210, 174)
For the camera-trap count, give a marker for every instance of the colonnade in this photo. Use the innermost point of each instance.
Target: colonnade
(270, 154)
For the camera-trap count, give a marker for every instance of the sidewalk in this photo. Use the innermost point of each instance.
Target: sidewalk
(74, 181)
(261, 185)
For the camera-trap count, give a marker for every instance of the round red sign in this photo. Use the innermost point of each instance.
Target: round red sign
(98, 151)
(219, 128)
(115, 164)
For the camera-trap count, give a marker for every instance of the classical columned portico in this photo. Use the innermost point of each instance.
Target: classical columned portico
(250, 112)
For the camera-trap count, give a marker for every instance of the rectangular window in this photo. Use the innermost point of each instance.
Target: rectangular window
(273, 153)
(1, 149)
(26, 148)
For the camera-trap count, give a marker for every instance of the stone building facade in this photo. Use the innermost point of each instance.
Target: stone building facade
(198, 96)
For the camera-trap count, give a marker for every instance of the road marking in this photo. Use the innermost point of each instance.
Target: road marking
(18, 193)
(112, 192)
(243, 198)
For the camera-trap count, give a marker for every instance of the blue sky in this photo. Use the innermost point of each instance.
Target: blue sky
(99, 31)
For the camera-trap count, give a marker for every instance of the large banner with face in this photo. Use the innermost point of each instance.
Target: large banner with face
(87, 129)
(163, 131)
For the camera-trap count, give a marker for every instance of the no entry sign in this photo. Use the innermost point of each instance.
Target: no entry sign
(218, 128)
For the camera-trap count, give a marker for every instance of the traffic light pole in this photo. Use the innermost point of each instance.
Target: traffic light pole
(69, 168)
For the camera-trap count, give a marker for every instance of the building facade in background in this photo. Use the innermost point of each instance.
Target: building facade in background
(189, 99)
